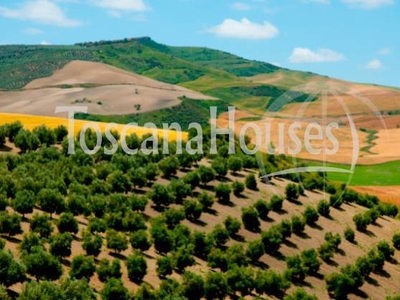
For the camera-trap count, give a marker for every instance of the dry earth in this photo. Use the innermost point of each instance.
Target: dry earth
(104, 89)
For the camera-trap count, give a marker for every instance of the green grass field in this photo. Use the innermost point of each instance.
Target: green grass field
(386, 174)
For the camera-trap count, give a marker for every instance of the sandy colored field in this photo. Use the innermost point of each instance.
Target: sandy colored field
(343, 135)
(31, 122)
(390, 194)
(112, 92)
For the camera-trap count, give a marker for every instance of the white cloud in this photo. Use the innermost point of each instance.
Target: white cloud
(240, 6)
(305, 55)
(44, 43)
(374, 64)
(385, 51)
(122, 5)
(33, 31)
(245, 29)
(40, 11)
(368, 4)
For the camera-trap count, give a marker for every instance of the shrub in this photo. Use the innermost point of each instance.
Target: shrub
(251, 182)
(326, 251)
(310, 215)
(334, 240)
(60, 245)
(193, 210)
(335, 201)
(276, 203)
(285, 228)
(67, 223)
(262, 208)
(139, 240)
(272, 239)
(116, 241)
(82, 267)
(137, 267)
(323, 208)
(114, 289)
(232, 225)
(92, 243)
(298, 225)
(387, 250)
(310, 261)
(105, 270)
(173, 216)
(237, 188)
(250, 219)
(216, 286)
(300, 294)
(396, 241)
(206, 174)
(235, 164)
(220, 235)
(222, 193)
(291, 192)
(294, 269)
(361, 221)
(164, 266)
(255, 249)
(271, 283)
(206, 200)
(349, 234)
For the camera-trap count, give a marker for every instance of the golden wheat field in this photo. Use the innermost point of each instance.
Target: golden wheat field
(31, 122)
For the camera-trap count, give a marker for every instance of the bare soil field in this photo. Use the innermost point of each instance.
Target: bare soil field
(104, 89)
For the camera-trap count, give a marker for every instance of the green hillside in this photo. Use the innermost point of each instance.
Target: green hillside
(212, 72)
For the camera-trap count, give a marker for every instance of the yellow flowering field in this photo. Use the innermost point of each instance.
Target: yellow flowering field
(30, 122)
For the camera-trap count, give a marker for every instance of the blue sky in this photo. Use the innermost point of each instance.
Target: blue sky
(356, 40)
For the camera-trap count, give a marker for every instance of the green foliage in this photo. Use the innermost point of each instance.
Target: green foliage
(206, 174)
(11, 270)
(232, 225)
(92, 243)
(220, 235)
(24, 202)
(206, 200)
(272, 239)
(250, 219)
(349, 234)
(67, 223)
(235, 164)
(114, 290)
(300, 294)
(137, 267)
(271, 283)
(295, 272)
(255, 249)
(192, 286)
(326, 251)
(51, 201)
(361, 221)
(116, 241)
(323, 208)
(310, 215)
(165, 266)
(182, 258)
(237, 188)
(161, 195)
(262, 208)
(223, 193)
(396, 240)
(387, 250)
(60, 244)
(298, 225)
(173, 216)
(216, 286)
(107, 270)
(310, 261)
(251, 182)
(276, 203)
(10, 224)
(82, 267)
(193, 210)
(139, 240)
(169, 166)
(219, 164)
(42, 265)
(241, 279)
(334, 240)
(291, 192)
